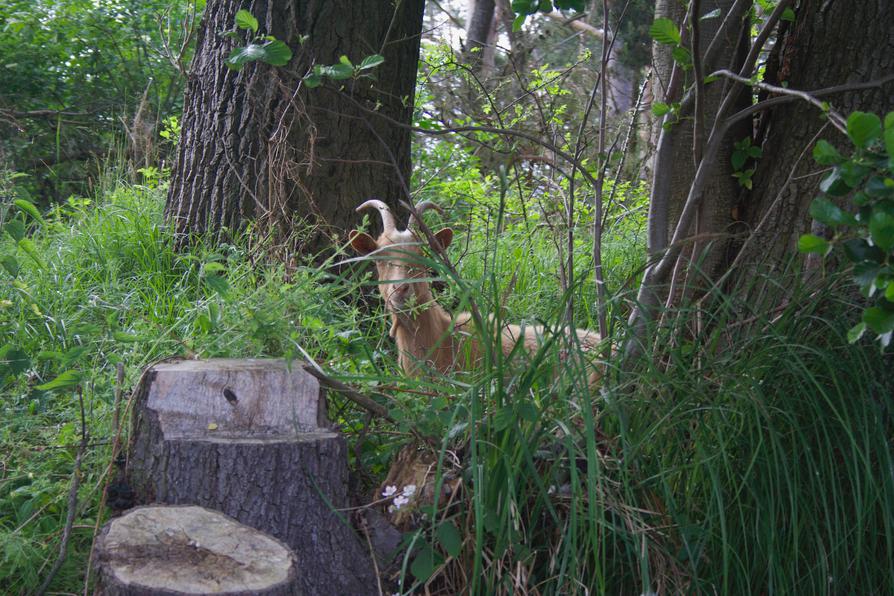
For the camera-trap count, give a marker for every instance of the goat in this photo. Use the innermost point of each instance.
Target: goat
(425, 333)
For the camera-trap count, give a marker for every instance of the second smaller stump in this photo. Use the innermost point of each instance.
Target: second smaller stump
(190, 550)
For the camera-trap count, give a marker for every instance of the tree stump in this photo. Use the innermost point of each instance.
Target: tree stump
(249, 438)
(190, 550)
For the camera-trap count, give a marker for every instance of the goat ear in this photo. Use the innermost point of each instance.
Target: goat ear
(445, 237)
(362, 242)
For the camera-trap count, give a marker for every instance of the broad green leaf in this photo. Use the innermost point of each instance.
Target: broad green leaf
(503, 418)
(833, 184)
(450, 538)
(788, 15)
(30, 209)
(346, 61)
(313, 80)
(889, 292)
(338, 72)
(881, 227)
(246, 20)
(825, 211)
(664, 31)
(853, 173)
(213, 267)
(810, 243)
(528, 411)
(276, 53)
(13, 361)
(863, 127)
(15, 228)
(889, 120)
(218, 284)
(426, 562)
(889, 142)
(856, 332)
(879, 319)
(242, 56)
(10, 264)
(682, 57)
(857, 249)
(69, 378)
(659, 108)
(371, 61)
(826, 154)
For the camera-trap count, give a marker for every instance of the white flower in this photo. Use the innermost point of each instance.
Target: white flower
(389, 491)
(400, 501)
(409, 490)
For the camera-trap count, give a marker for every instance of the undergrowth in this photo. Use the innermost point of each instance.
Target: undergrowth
(753, 457)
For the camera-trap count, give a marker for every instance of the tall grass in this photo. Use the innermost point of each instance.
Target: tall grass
(754, 457)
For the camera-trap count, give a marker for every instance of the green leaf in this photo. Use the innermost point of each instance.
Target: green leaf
(127, 337)
(346, 61)
(313, 80)
(517, 22)
(881, 227)
(889, 292)
(682, 57)
(213, 267)
(863, 128)
(788, 15)
(826, 154)
(833, 184)
(889, 142)
(879, 319)
(450, 538)
(30, 209)
(338, 72)
(13, 361)
(528, 411)
(31, 250)
(218, 284)
(856, 332)
(825, 211)
(10, 264)
(503, 418)
(425, 563)
(242, 56)
(889, 120)
(371, 61)
(659, 109)
(664, 31)
(857, 249)
(69, 378)
(245, 20)
(15, 228)
(277, 53)
(811, 243)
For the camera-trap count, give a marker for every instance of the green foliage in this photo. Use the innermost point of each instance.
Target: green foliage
(73, 75)
(866, 237)
(524, 8)
(264, 48)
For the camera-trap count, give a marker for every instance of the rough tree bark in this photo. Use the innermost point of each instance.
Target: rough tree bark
(256, 144)
(177, 551)
(243, 437)
(829, 44)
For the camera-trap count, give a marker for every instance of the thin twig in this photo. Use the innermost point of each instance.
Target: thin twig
(72, 500)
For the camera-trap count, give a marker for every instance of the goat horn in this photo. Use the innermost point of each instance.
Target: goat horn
(384, 211)
(422, 208)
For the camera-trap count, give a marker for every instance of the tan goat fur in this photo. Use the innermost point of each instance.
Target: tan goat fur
(427, 336)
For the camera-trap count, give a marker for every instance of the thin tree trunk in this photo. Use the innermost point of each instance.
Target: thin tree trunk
(257, 144)
(480, 34)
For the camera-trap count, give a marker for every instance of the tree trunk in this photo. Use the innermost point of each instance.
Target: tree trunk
(480, 35)
(258, 144)
(177, 551)
(829, 44)
(243, 437)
